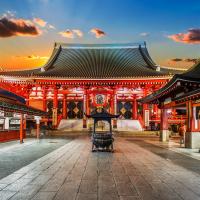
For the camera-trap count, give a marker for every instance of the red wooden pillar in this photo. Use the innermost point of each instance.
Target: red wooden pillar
(27, 100)
(55, 98)
(112, 104)
(192, 136)
(85, 104)
(55, 108)
(164, 133)
(21, 128)
(114, 108)
(38, 131)
(44, 100)
(64, 110)
(145, 107)
(155, 111)
(28, 97)
(190, 123)
(135, 108)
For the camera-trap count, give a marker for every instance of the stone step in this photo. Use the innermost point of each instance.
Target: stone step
(137, 133)
(116, 133)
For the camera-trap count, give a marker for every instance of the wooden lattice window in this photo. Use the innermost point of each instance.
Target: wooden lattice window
(124, 108)
(60, 107)
(75, 109)
(50, 108)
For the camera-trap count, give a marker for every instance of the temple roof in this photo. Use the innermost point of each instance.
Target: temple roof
(192, 74)
(180, 82)
(97, 61)
(10, 101)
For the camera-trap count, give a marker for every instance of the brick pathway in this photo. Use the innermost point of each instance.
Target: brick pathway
(132, 172)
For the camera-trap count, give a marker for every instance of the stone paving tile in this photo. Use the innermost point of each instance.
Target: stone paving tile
(88, 187)
(18, 185)
(26, 192)
(2, 186)
(126, 189)
(10, 179)
(108, 197)
(44, 196)
(41, 180)
(147, 193)
(129, 198)
(122, 178)
(53, 185)
(4, 195)
(106, 181)
(138, 181)
(107, 191)
(68, 191)
(81, 196)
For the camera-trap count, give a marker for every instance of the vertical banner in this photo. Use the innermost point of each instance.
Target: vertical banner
(195, 118)
(54, 117)
(146, 117)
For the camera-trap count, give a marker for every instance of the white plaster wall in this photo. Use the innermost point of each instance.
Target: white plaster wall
(71, 125)
(77, 125)
(129, 125)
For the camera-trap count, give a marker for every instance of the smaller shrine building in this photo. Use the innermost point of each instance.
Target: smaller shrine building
(14, 114)
(181, 92)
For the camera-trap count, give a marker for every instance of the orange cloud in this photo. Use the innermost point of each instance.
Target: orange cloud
(40, 22)
(17, 27)
(189, 60)
(78, 32)
(193, 60)
(32, 57)
(98, 32)
(71, 33)
(67, 34)
(176, 59)
(191, 37)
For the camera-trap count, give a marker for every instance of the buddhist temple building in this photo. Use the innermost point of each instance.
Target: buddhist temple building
(78, 78)
(182, 92)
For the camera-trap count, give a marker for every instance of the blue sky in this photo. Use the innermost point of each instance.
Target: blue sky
(152, 21)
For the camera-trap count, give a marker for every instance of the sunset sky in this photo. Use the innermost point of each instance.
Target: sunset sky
(29, 28)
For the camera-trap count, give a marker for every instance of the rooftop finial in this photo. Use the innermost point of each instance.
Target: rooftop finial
(145, 44)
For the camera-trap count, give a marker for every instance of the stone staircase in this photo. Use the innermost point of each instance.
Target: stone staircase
(71, 125)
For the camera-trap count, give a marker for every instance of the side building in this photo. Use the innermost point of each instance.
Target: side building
(80, 77)
(182, 93)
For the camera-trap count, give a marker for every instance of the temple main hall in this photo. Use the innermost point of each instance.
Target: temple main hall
(80, 77)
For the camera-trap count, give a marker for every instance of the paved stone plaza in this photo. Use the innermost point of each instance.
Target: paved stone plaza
(137, 169)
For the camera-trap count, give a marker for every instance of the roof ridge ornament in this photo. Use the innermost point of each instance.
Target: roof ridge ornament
(99, 45)
(158, 68)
